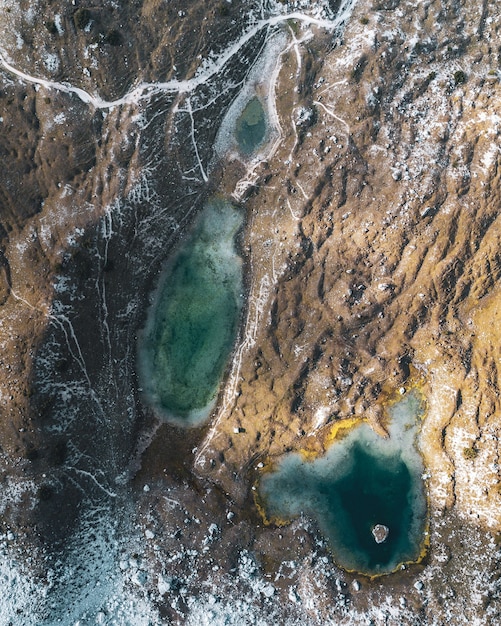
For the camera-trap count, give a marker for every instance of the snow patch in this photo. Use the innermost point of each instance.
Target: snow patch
(51, 62)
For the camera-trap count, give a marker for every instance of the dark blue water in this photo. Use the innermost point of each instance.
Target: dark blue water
(363, 481)
(375, 491)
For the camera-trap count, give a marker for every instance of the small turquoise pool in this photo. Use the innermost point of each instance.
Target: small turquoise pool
(192, 326)
(366, 493)
(250, 129)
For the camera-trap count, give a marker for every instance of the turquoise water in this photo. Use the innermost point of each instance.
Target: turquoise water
(361, 482)
(251, 126)
(192, 326)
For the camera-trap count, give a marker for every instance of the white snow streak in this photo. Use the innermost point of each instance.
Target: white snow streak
(146, 90)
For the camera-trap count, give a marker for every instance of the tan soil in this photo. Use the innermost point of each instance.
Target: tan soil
(374, 245)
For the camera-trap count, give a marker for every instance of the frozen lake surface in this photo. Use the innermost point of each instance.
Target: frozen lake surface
(193, 323)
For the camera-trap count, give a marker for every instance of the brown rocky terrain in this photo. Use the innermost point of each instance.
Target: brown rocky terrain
(372, 248)
(66, 165)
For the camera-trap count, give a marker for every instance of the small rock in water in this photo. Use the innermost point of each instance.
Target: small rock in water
(380, 533)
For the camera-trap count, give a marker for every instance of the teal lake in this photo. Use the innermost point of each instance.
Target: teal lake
(362, 482)
(192, 326)
(250, 129)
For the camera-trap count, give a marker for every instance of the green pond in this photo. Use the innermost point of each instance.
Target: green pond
(251, 127)
(192, 326)
(363, 483)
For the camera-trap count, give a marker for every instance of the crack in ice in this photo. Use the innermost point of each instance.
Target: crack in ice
(194, 141)
(112, 494)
